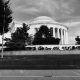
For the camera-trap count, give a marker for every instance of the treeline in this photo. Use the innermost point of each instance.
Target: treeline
(21, 38)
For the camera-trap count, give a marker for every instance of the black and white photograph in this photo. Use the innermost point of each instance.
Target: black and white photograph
(39, 39)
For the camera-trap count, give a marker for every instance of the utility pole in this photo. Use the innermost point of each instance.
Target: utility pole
(3, 30)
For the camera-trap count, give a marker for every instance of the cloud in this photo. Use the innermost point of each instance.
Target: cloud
(57, 9)
(72, 24)
(64, 11)
(74, 30)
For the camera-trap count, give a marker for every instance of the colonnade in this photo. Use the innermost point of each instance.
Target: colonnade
(62, 34)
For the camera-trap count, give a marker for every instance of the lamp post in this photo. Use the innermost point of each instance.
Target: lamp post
(3, 29)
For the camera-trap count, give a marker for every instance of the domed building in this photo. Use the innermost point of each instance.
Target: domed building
(57, 30)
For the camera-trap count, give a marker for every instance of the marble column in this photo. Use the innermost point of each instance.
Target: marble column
(66, 37)
(61, 36)
(53, 32)
(58, 33)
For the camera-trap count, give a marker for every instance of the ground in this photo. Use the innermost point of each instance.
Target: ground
(40, 74)
(53, 74)
(42, 52)
(49, 59)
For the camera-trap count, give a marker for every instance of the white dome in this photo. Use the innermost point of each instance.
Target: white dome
(43, 19)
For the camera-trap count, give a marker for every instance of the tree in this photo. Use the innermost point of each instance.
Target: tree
(43, 36)
(77, 40)
(19, 38)
(5, 16)
(20, 34)
(5, 19)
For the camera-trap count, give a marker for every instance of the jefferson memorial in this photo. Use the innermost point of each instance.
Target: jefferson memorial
(58, 30)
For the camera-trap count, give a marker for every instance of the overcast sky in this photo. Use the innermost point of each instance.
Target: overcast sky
(64, 11)
(60, 10)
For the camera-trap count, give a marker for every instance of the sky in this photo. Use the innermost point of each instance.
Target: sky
(63, 11)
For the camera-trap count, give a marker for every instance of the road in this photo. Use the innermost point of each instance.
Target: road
(39, 74)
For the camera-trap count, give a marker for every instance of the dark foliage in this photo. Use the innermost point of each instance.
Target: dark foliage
(19, 38)
(20, 34)
(5, 16)
(43, 36)
(77, 40)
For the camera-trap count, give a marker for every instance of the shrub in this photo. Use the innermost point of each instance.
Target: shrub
(15, 46)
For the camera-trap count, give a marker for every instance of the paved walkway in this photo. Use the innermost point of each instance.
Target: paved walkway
(40, 74)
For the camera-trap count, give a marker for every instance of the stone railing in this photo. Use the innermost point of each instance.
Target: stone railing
(53, 47)
(50, 47)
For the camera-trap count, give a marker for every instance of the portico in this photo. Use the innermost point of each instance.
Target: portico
(61, 34)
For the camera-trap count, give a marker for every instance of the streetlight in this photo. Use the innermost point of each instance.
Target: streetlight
(3, 29)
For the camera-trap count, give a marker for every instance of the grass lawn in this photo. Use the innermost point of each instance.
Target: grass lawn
(41, 60)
